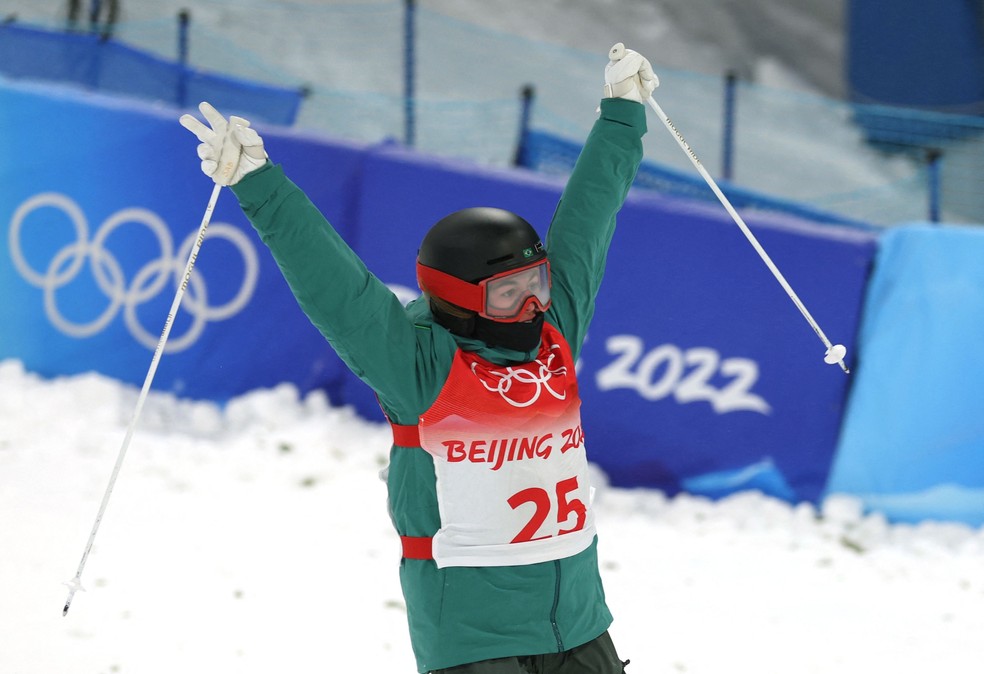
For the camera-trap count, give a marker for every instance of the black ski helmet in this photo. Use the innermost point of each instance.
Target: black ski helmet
(476, 243)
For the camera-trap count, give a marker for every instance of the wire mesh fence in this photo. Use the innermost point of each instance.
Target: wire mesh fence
(881, 165)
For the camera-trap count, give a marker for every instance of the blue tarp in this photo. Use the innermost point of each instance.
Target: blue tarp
(912, 445)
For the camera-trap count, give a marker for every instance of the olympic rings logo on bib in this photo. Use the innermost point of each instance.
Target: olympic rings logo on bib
(521, 387)
(147, 284)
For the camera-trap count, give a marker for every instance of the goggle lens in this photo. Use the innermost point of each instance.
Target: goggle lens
(508, 295)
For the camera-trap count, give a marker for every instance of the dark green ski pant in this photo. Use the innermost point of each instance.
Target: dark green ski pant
(595, 657)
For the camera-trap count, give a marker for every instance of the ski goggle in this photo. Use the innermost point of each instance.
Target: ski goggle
(505, 297)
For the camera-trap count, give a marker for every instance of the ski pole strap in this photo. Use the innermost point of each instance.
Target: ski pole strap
(417, 547)
(405, 436)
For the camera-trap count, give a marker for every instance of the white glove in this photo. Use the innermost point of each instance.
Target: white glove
(629, 75)
(229, 150)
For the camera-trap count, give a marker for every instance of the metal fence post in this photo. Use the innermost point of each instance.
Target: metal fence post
(409, 132)
(528, 93)
(74, 9)
(728, 135)
(94, 7)
(105, 28)
(934, 158)
(184, 18)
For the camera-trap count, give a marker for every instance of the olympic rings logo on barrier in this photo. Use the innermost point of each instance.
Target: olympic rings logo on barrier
(108, 274)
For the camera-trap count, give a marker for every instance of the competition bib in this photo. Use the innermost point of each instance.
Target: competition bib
(512, 479)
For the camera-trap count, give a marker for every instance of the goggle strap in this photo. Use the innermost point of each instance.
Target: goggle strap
(450, 288)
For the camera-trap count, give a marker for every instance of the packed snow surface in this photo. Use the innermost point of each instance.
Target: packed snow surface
(253, 538)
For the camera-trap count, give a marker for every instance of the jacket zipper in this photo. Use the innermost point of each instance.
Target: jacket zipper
(553, 609)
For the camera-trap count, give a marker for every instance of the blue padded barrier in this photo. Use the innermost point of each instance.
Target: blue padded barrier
(94, 213)
(698, 371)
(912, 445)
(697, 362)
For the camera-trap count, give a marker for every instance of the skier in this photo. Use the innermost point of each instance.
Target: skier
(487, 481)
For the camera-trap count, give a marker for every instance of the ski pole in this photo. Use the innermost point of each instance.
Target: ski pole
(835, 352)
(75, 584)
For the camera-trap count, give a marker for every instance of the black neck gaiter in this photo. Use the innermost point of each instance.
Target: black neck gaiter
(515, 336)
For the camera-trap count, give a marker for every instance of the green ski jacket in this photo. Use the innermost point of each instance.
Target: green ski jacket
(459, 615)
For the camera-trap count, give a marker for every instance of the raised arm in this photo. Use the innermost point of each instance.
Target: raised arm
(359, 316)
(583, 224)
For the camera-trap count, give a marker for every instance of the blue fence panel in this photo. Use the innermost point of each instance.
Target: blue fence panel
(98, 217)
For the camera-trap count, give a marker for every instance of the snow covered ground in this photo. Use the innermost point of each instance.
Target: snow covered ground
(254, 538)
